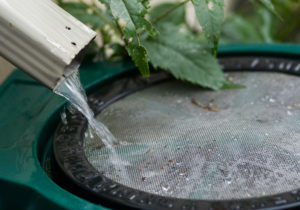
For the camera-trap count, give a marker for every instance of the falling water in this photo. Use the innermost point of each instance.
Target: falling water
(72, 90)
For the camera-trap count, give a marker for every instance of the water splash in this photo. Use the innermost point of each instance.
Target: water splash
(72, 90)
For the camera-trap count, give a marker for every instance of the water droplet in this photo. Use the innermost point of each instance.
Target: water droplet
(179, 101)
(124, 143)
(91, 135)
(289, 113)
(272, 100)
(234, 138)
(230, 78)
(266, 134)
(64, 118)
(228, 182)
(165, 187)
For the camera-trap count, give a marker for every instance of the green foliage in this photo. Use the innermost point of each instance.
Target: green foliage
(252, 21)
(95, 17)
(288, 28)
(186, 59)
(176, 17)
(268, 4)
(210, 14)
(138, 54)
(128, 28)
(239, 29)
(132, 14)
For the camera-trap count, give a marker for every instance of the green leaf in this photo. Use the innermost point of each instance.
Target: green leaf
(139, 56)
(184, 58)
(146, 3)
(105, 2)
(210, 15)
(239, 29)
(132, 14)
(269, 5)
(176, 17)
(265, 27)
(119, 52)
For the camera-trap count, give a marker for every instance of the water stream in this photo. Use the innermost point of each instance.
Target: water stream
(72, 90)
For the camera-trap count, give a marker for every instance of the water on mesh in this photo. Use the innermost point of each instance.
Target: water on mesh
(172, 147)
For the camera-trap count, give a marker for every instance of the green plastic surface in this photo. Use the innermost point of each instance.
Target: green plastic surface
(28, 118)
(25, 105)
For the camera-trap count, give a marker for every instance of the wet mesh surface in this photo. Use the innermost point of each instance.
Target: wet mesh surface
(172, 147)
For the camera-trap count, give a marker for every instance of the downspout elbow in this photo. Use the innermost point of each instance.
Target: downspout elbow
(42, 39)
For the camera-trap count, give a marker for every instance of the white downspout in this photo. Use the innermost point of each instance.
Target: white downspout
(42, 39)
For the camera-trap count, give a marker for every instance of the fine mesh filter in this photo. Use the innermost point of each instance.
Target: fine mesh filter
(247, 146)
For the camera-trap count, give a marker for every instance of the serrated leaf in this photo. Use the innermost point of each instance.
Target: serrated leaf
(138, 54)
(184, 58)
(132, 13)
(269, 5)
(146, 3)
(210, 15)
(176, 17)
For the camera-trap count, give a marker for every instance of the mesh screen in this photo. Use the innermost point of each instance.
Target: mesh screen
(246, 145)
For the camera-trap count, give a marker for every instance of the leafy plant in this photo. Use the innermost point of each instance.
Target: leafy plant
(255, 21)
(160, 35)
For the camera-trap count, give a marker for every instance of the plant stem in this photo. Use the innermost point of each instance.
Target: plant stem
(169, 11)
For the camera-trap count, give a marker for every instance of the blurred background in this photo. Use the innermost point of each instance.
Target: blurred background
(244, 22)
